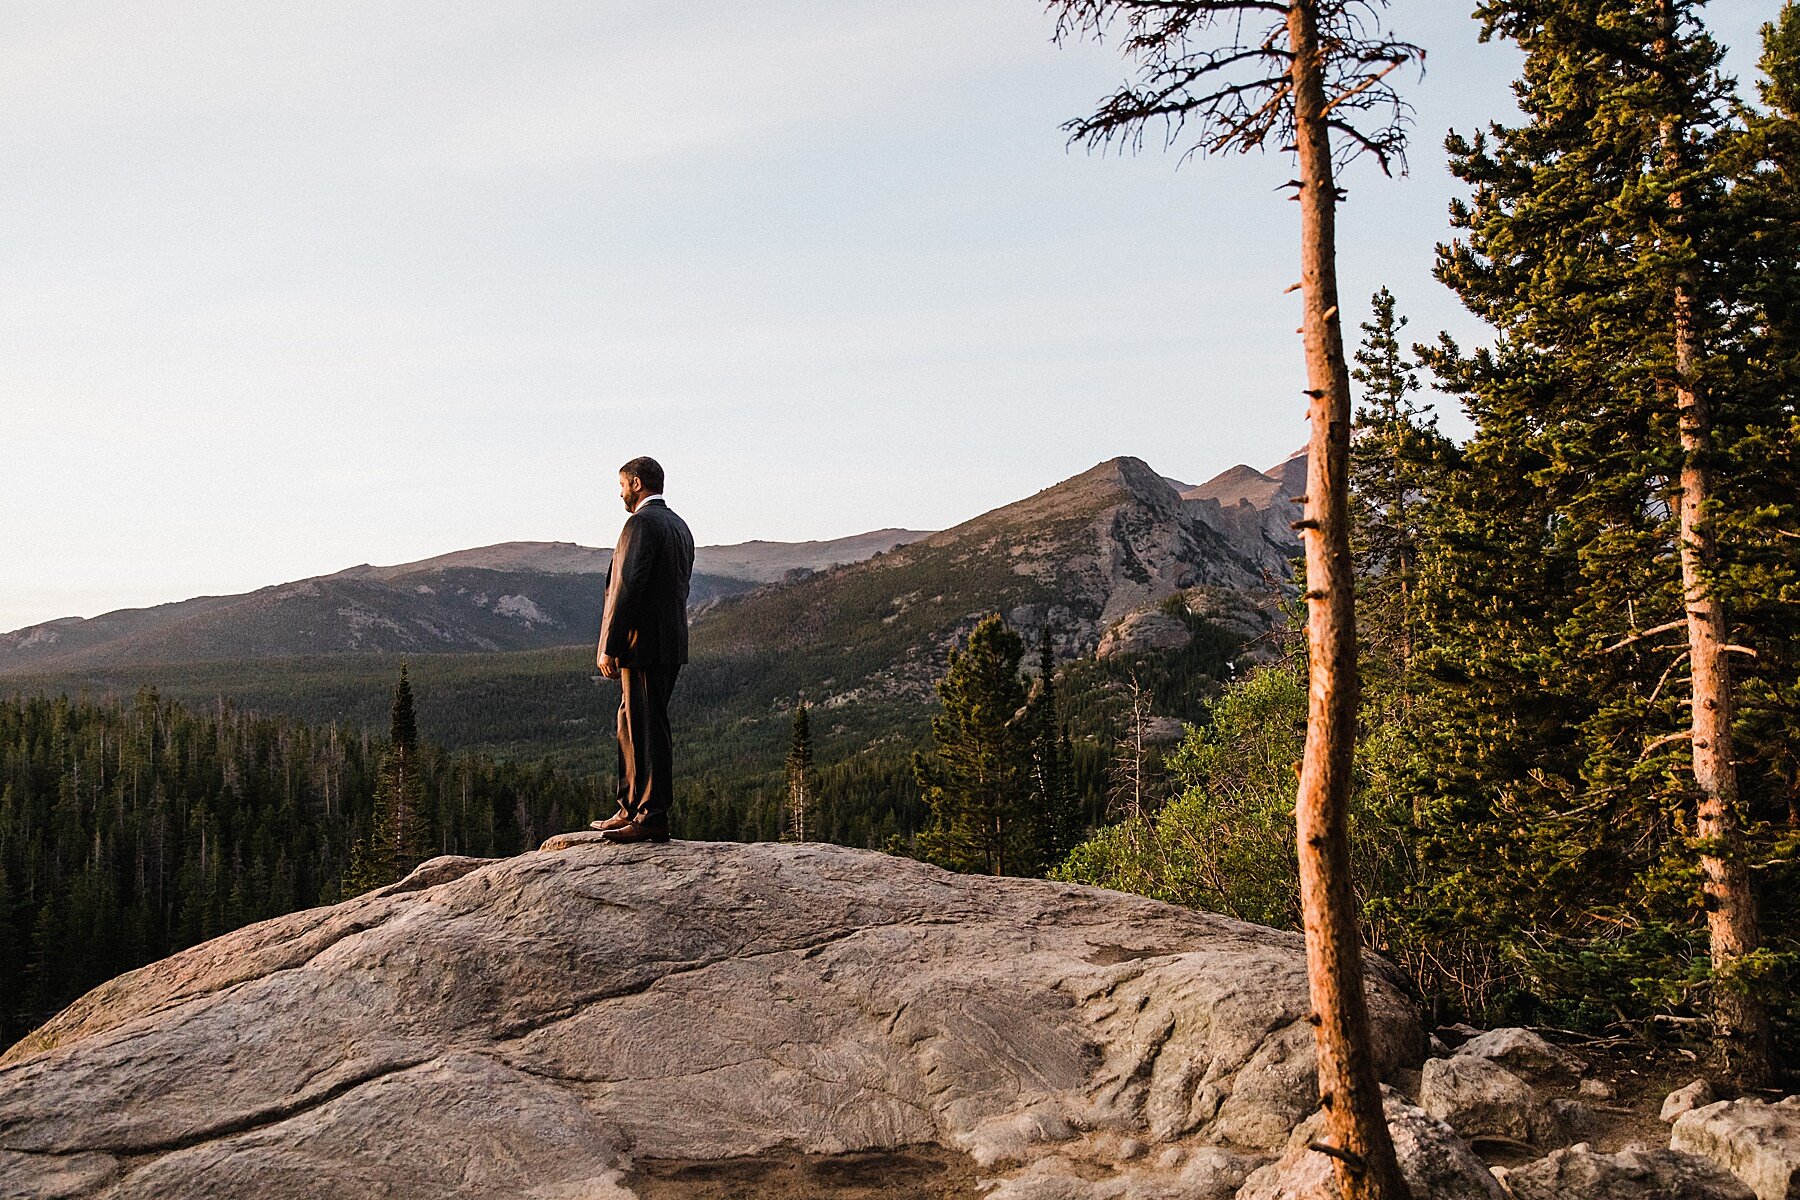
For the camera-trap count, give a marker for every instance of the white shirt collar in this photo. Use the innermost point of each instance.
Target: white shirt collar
(648, 499)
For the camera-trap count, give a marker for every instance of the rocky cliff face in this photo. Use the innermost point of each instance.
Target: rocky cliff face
(1079, 556)
(1254, 510)
(558, 1024)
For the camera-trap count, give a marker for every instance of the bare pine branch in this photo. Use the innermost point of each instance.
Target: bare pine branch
(1215, 73)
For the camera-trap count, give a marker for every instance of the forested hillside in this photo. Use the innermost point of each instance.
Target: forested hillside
(129, 830)
(1576, 797)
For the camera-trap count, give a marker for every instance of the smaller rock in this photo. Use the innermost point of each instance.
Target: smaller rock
(1578, 1173)
(1479, 1098)
(1211, 1171)
(1525, 1054)
(1597, 1089)
(1013, 1137)
(1435, 1162)
(1697, 1094)
(1458, 1033)
(1435, 1048)
(1757, 1142)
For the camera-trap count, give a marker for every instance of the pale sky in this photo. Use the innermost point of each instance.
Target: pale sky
(290, 287)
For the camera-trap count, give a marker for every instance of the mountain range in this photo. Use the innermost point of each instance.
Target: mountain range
(863, 625)
(510, 596)
(1079, 557)
(1231, 530)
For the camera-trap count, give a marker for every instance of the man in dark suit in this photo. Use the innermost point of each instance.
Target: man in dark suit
(643, 643)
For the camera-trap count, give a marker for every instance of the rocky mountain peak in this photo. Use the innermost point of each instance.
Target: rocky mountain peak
(1254, 510)
(1236, 485)
(1099, 489)
(1132, 476)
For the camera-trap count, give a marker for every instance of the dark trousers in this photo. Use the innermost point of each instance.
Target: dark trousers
(646, 749)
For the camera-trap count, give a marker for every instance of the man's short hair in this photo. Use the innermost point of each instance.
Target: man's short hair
(646, 471)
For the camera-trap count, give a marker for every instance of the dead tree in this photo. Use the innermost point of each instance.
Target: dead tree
(1313, 77)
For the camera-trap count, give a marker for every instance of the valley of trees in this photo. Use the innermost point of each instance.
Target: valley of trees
(1573, 690)
(130, 830)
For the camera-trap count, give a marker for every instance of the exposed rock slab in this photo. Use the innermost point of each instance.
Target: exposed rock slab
(534, 1026)
(1144, 632)
(1757, 1142)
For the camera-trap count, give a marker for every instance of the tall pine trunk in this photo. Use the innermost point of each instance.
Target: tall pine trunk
(1740, 1021)
(1362, 1153)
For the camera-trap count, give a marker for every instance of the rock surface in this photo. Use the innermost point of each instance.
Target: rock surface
(1757, 1142)
(1436, 1163)
(1524, 1053)
(535, 1026)
(1697, 1094)
(1479, 1098)
(1579, 1173)
(1143, 632)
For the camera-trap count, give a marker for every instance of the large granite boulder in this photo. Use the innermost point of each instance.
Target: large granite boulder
(1756, 1141)
(547, 1025)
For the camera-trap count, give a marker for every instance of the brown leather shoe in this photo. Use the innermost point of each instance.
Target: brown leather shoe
(650, 829)
(618, 820)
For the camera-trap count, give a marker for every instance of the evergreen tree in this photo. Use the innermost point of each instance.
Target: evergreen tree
(1055, 807)
(802, 779)
(1763, 273)
(1565, 767)
(977, 780)
(1396, 457)
(398, 839)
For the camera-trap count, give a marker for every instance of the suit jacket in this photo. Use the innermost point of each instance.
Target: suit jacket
(645, 620)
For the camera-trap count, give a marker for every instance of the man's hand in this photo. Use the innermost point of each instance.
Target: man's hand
(609, 666)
